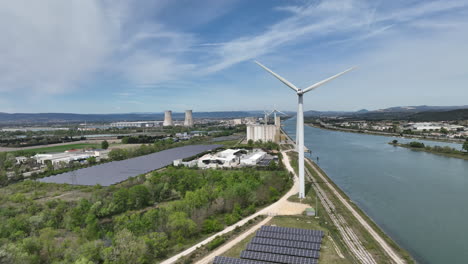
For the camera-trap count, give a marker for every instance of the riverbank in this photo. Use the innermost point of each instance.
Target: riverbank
(385, 134)
(450, 152)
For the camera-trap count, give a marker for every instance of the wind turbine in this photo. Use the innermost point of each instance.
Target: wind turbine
(300, 119)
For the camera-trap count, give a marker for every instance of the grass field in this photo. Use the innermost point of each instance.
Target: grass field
(62, 148)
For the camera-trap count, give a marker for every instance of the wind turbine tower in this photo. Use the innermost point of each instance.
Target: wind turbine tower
(300, 119)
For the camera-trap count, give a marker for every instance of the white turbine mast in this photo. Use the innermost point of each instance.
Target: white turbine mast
(267, 115)
(300, 119)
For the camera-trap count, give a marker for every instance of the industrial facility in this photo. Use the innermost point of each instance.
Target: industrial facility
(229, 158)
(168, 119)
(265, 132)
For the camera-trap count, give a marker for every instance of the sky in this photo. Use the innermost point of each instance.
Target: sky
(122, 56)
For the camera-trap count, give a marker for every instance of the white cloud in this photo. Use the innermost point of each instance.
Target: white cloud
(49, 47)
(338, 20)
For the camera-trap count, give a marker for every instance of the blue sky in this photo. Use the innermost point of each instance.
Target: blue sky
(111, 56)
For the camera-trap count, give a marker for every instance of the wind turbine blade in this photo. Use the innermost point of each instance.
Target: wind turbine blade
(281, 112)
(290, 85)
(327, 80)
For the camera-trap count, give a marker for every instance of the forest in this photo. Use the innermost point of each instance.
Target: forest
(142, 220)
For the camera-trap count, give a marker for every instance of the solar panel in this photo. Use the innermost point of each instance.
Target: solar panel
(276, 258)
(285, 243)
(117, 171)
(290, 230)
(286, 236)
(227, 260)
(284, 250)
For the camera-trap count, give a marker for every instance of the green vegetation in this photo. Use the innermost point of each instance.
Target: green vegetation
(142, 220)
(444, 151)
(61, 148)
(104, 144)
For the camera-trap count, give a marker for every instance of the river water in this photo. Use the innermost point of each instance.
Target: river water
(419, 199)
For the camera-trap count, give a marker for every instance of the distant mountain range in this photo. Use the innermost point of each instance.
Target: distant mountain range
(44, 118)
(422, 112)
(413, 113)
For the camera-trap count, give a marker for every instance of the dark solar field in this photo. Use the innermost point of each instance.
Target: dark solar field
(117, 171)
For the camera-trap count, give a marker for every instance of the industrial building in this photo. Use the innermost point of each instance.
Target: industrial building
(136, 124)
(264, 133)
(229, 158)
(69, 156)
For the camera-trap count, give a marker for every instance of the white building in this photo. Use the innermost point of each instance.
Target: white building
(253, 159)
(229, 158)
(136, 124)
(57, 158)
(264, 133)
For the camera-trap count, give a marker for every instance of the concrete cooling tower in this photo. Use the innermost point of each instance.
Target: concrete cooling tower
(188, 118)
(168, 118)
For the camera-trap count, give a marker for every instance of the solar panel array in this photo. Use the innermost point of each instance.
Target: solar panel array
(284, 250)
(273, 244)
(117, 171)
(285, 243)
(291, 230)
(228, 260)
(276, 258)
(288, 236)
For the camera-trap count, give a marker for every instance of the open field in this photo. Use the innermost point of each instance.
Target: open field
(61, 148)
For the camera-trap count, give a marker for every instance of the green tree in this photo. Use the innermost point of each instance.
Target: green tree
(157, 244)
(139, 196)
(104, 144)
(126, 248)
(118, 154)
(181, 226)
(91, 160)
(465, 145)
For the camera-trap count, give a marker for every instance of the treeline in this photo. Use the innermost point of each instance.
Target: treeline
(36, 141)
(141, 139)
(141, 223)
(436, 149)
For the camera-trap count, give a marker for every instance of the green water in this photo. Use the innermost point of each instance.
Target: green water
(419, 199)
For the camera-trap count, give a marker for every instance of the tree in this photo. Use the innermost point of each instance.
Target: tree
(104, 144)
(91, 160)
(394, 141)
(465, 145)
(126, 248)
(118, 154)
(139, 196)
(250, 142)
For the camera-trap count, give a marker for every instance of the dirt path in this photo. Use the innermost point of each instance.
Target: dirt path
(280, 207)
(388, 250)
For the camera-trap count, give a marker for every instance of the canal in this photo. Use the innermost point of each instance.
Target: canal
(419, 199)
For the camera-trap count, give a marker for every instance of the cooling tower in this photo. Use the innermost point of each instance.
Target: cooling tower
(188, 118)
(277, 121)
(168, 118)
